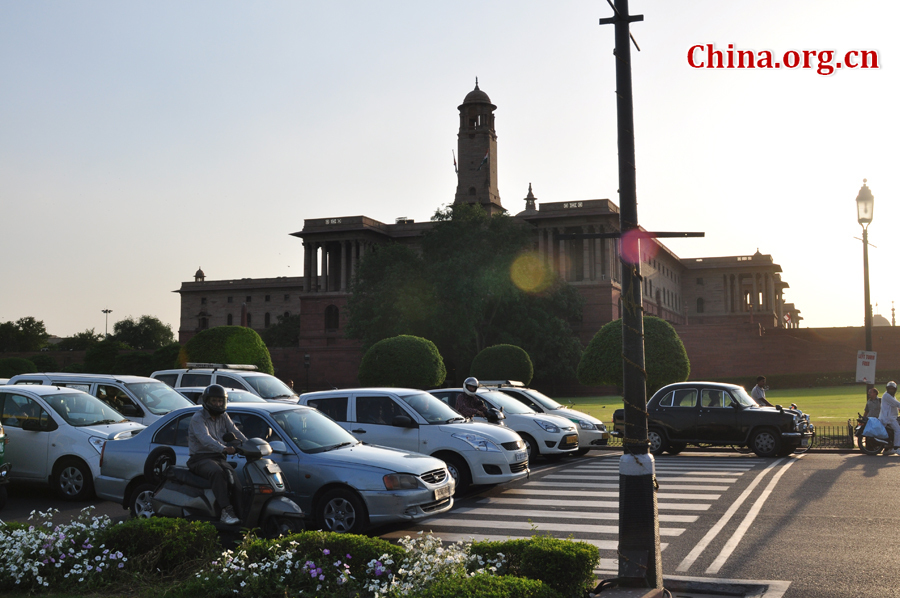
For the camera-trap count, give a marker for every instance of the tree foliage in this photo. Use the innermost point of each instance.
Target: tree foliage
(25, 334)
(286, 333)
(13, 366)
(227, 344)
(402, 361)
(44, 362)
(503, 362)
(81, 341)
(476, 283)
(147, 333)
(665, 357)
(101, 358)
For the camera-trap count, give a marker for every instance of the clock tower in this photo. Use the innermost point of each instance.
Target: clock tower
(477, 149)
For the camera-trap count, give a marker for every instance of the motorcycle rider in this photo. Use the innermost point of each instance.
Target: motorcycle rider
(468, 403)
(208, 450)
(888, 415)
(873, 403)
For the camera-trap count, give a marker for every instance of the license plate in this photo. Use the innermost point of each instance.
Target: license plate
(442, 492)
(804, 442)
(570, 440)
(521, 456)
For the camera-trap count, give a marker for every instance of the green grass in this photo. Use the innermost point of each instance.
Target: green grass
(826, 406)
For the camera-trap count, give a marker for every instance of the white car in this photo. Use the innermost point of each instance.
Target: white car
(56, 435)
(242, 377)
(413, 420)
(592, 433)
(544, 435)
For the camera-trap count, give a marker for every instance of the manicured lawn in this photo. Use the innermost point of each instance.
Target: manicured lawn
(826, 406)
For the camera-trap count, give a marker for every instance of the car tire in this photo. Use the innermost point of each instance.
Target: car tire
(274, 527)
(73, 480)
(158, 463)
(765, 443)
(581, 452)
(139, 503)
(531, 446)
(658, 442)
(676, 447)
(341, 511)
(458, 469)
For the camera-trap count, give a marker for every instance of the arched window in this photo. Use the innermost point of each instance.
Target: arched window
(204, 323)
(699, 305)
(287, 315)
(267, 319)
(332, 318)
(249, 325)
(230, 320)
(472, 191)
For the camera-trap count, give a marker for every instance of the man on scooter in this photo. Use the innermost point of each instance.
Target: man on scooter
(208, 451)
(888, 415)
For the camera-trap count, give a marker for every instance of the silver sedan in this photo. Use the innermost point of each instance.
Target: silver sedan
(345, 485)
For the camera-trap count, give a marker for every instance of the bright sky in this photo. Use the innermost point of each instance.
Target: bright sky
(140, 140)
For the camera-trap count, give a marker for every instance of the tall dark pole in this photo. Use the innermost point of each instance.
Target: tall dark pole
(865, 209)
(640, 564)
(865, 240)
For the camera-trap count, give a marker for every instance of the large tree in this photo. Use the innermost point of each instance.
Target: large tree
(476, 283)
(25, 334)
(80, 341)
(286, 333)
(146, 333)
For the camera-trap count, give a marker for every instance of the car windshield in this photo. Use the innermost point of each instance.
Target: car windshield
(242, 396)
(312, 431)
(158, 397)
(431, 408)
(543, 400)
(81, 409)
(269, 387)
(509, 404)
(741, 396)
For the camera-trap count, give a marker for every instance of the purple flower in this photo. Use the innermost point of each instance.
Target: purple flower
(321, 578)
(348, 556)
(121, 565)
(326, 552)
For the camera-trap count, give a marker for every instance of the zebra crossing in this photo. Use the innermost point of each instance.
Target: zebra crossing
(580, 500)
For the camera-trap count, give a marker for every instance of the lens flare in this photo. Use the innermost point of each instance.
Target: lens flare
(529, 273)
(637, 243)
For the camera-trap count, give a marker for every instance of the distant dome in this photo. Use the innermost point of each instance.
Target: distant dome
(199, 273)
(476, 96)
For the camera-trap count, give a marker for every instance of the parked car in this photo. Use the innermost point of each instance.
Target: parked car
(192, 394)
(346, 485)
(56, 435)
(140, 399)
(4, 468)
(592, 433)
(413, 420)
(544, 435)
(712, 413)
(245, 377)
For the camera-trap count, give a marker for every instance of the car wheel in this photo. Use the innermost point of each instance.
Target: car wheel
(341, 511)
(140, 502)
(458, 469)
(73, 480)
(765, 443)
(582, 452)
(158, 463)
(531, 446)
(658, 442)
(4, 494)
(274, 527)
(676, 447)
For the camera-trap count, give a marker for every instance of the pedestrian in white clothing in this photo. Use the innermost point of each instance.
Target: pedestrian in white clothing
(888, 415)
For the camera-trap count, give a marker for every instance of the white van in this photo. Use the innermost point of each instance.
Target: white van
(413, 420)
(142, 400)
(242, 377)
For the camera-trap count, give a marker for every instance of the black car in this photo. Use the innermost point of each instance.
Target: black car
(712, 413)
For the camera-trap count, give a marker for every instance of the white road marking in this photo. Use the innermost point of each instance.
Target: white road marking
(538, 527)
(604, 494)
(608, 504)
(538, 513)
(611, 485)
(660, 478)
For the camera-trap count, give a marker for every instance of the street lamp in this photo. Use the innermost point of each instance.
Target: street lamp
(109, 311)
(865, 204)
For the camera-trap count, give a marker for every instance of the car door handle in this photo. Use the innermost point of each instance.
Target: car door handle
(360, 431)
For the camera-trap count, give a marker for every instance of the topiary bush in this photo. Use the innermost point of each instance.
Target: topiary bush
(44, 363)
(13, 366)
(490, 586)
(403, 361)
(564, 565)
(227, 344)
(101, 358)
(134, 363)
(665, 358)
(165, 357)
(503, 362)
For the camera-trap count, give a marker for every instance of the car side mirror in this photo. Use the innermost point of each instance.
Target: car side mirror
(403, 421)
(278, 446)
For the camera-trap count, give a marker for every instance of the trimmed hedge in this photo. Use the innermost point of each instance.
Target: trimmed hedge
(44, 362)
(490, 586)
(227, 344)
(13, 366)
(403, 361)
(503, 362)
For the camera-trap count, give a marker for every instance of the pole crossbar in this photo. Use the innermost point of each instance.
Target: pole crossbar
(616, 235)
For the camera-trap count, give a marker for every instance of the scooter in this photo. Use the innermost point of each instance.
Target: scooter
(265, 506)
(870, 444)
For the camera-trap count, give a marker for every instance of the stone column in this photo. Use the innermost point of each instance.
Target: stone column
(754, 300)
(770, 287)
(598, 256)
(354, 245)
(324, 272)
(585, 255)
(306, 252)
(344, 264)
(563, 270)
(542, 249)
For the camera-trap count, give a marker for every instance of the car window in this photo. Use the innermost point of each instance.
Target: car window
(311, 431)
(683, 397)
(116, 398)
(509, 404)
(192, 379)
(157, 397)
(268, 387)
(377, 410)
(335, 407)
(192, 395)
(228, 381)
(542, 399)
(169, 379)
(82, 386)
(16, 409)
(80, 409)
(742, 398)
(242, 396)
(430, 407)
(175, 433)
(254, 426)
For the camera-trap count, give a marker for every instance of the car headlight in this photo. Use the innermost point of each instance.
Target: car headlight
(97, 443)
(400, 481)
(585, 424)
(479, 443)
(548, 427)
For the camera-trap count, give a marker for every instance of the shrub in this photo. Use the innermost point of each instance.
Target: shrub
(44, 363)
(665, 358)
(166, 357)
(164, 546)
(503, 362)
(402, 361)
(227, 344)
(13, 366)
(489, 586)
(564, 565)
(75, 368)
(134, 363)
(101, 358)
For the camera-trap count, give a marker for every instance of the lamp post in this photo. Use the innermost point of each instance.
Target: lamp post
(109, 311)
(865, 204)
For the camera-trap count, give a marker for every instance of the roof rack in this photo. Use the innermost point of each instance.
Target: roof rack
(221, 366)
(501, 383)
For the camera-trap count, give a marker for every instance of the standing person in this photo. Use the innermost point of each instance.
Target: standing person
(206, 435)
(468, 403)
(888, 414)
(759, 392)
(873, 403)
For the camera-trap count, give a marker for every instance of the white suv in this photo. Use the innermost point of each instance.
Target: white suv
(242, 377)
(416, 421)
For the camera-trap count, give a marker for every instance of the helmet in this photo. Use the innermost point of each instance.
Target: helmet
(891, 384)
(470, 386)
(214, 391)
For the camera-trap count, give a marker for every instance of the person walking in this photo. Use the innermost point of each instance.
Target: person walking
(759, 392)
